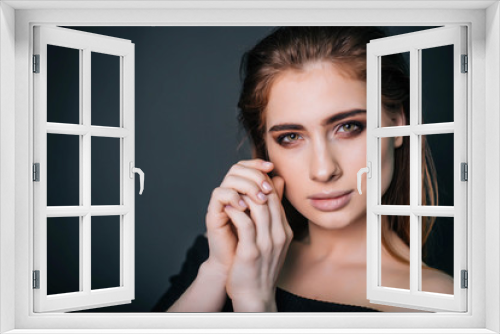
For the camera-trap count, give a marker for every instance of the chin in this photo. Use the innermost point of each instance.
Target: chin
(336, 224)
(331, 220)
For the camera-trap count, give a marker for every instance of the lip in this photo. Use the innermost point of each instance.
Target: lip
(328, 202)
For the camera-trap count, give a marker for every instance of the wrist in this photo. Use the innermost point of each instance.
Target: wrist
(214, 270)
(207, 293)
(252, 304)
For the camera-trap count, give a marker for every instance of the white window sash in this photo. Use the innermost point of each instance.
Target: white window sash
(85, 298)
(413, 298)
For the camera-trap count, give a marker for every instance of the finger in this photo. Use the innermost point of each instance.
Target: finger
(279, 185)
(259, 177)
(244, 186)
(265, 166)
(245, 227)
(277, 228)
(280, 237)
(260, 216)
(220, 198)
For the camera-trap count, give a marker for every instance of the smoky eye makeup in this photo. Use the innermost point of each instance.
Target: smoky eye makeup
(288, 138)
(344, 130)
(352, 127)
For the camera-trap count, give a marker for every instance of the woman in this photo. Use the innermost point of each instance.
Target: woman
(286, 231)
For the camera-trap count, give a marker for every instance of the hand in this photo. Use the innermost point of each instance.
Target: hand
(263, 240)
(244, 178)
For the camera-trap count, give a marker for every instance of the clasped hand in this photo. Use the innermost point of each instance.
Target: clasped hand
(248, 234)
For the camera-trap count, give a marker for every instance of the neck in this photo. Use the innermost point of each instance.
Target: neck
(342, 245)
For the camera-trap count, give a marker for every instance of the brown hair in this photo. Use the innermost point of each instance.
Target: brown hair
(294, 47)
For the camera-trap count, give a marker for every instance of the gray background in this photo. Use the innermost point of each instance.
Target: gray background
(187, 137)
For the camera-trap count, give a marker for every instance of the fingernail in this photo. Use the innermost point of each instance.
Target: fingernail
(267, 164)
(243, 204)
(227, 206)
(262, 196)
(266, 186)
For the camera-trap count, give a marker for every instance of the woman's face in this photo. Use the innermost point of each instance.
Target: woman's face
(316, 138)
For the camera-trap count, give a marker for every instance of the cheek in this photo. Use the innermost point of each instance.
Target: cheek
(350, 156)
(287, 166)
(387, 162)
(292, 166)
(353, 155)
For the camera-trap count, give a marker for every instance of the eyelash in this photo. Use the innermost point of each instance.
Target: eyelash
(359, 128)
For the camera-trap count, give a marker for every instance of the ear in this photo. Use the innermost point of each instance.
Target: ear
(398, 119)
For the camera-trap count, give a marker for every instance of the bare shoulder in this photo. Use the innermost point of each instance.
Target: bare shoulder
(434, 280)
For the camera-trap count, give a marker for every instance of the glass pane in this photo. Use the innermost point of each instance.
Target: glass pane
(63, 170)
(437, 84)
(105, 90)
(395, 82)
(105, 171)
(395, 259)
(63, 85)
(63, 255)
(437, 254)
(395, 170)
(437, 169)
(105, 252)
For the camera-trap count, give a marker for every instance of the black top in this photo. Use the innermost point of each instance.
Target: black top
(285, 301)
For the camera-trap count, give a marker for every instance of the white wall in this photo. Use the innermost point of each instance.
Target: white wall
(7, 164)
(490, 159)
(492, 150)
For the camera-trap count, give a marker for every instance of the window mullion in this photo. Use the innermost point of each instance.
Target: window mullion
(85, 274)
(82, 220)
(406, 210)
(414, 167)
(434, 128)
(110, 132)
(421, 129)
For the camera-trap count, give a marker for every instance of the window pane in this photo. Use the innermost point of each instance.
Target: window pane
(105, 90)
(105, 171)
(437, 84)
(395, 170)
(395, 259)
(437, 254)
(394, 96)
(63, 255)
(437, 169)
(63, 170)
(63, 85)
(105, 252)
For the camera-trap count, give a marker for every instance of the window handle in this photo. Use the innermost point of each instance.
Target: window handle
(368, 171)
(141, 175)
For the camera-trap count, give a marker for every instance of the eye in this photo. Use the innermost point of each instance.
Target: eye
(288, 138)
(349, 127)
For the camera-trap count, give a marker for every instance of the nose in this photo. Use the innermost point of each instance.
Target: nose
(324, 166)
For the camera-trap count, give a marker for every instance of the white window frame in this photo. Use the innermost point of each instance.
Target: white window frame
(86, 44)
(16, 125)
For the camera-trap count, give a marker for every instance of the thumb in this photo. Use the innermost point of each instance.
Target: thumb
(279, 185)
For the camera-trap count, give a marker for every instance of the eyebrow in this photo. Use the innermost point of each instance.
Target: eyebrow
(332, 119)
